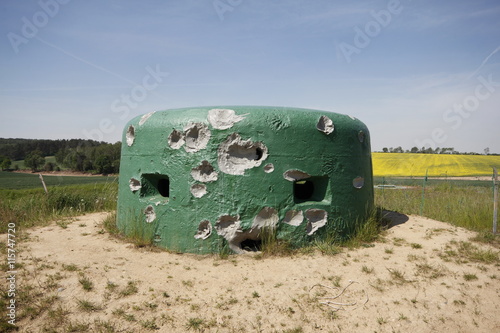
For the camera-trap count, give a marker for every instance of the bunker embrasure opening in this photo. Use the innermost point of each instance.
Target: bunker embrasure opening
(310, 189)
(154, 185)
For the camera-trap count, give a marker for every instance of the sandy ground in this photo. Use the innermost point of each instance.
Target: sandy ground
(414, 280)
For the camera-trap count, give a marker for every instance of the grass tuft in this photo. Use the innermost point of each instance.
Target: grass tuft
(195, 324)
(88, 306)
(86, 283)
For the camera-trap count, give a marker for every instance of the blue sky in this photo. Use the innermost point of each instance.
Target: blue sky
(417, 73)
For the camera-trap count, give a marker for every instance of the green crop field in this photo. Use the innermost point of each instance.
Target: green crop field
(15, 180)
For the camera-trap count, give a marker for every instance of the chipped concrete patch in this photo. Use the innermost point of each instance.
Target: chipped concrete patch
(130, 136)
(268, 168)
(229, 227)
(223, 118)
(135, 185)
(198, 190)
(361, 136)
(204, 230)
(176, 139)
(204, 173)
(150, 214)
(325, 125)
(358, 182)
(236, 155)
(145, 117)
(294, 217)
(294, 175)
(266, 218)
(316, 218)
(196, 136)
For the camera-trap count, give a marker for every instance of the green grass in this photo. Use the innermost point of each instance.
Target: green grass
(464, 206)
(32, 207)
(86, 283)
(17, 180)
(417, 181)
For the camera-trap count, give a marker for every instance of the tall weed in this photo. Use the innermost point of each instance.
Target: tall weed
(465, 206)
(32, 207)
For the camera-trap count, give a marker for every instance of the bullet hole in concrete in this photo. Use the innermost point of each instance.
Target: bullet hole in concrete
(236, 155)
(310, 189)
(266, 218)
(134, 184)
(294, 175)
(196, 136)
(145, 117)
(150, 214)
(361, 136)
(268, 168)
(198, 190)
(205, 173)
(176, 139)
(325, 125)
(223, 118)
(264, 222)
(204, 230)
(154, 184)
(238, 240)
(258, 153)
(294, 217)
(316, 218)
(130, 135)
(358, 182)
(229, 227)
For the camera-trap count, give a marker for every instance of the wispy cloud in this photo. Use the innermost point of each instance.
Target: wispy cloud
(485, 61)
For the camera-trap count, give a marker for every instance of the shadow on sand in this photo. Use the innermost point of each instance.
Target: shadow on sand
(394, 218)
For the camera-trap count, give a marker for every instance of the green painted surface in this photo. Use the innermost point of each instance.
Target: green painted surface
(195, 188)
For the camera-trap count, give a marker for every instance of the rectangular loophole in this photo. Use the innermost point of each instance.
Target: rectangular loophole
(310, 189)
(155, 185)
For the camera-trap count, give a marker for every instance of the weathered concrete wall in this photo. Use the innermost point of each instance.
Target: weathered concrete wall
(195, 179)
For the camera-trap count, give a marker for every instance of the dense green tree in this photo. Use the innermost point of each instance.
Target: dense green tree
(34, 160)
(5, 162)
(103, 164)
(49, 166)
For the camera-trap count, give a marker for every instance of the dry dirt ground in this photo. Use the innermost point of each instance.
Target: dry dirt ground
(423, 276)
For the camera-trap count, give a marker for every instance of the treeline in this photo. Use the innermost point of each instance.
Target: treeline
(18, 149)
(437, 150)
(75, 155)
(104, 158)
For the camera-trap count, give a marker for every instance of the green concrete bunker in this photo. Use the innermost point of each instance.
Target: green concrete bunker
(200, 180)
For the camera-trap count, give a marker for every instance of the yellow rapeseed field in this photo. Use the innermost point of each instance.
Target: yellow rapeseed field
(438, 165)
